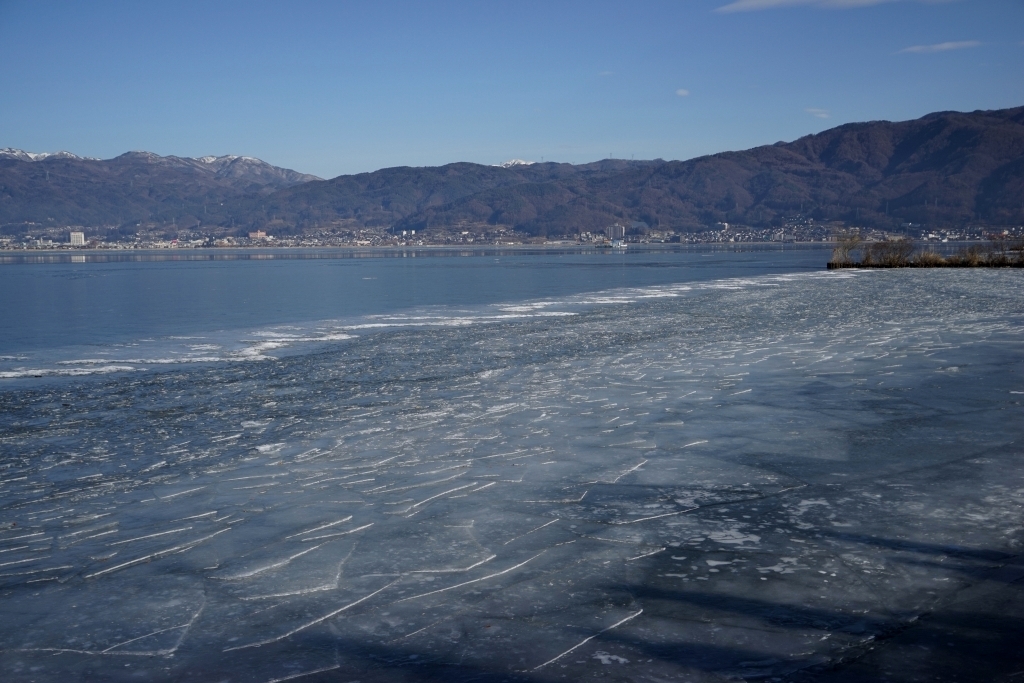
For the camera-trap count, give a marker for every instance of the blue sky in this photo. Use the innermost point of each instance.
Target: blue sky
(345, 87)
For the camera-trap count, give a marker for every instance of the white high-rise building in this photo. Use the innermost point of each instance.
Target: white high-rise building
(616, 231)
(78, 239)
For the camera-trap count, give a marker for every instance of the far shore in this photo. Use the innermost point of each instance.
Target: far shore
(636, 246)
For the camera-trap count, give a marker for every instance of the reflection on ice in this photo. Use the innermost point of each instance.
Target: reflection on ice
(746, 479)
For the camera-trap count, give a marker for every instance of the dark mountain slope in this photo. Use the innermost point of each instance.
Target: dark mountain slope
(64, 189)
(945, 169)
(389, 196)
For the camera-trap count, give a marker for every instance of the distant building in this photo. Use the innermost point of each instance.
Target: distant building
(616, 231)
(258, 235)
(78, 239)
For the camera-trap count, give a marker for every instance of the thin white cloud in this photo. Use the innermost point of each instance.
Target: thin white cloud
(942, 47)
(682, 92)
(606, 73)
(820, 113)
(755, 5)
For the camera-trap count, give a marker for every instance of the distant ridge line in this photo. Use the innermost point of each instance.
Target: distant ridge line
(945, 169)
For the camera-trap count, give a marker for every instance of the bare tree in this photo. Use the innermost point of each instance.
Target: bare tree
(929, 259)
(1017, 247)
(892, 253)
(846, 242)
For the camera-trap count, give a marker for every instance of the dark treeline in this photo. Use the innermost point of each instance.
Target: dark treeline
(851, 251)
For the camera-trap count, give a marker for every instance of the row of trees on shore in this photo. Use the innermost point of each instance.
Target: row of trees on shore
(852, 251)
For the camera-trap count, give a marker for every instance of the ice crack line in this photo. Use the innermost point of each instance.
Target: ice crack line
(339, 533)
(653, 552)
(267, 567)
(316, 589)
(170, 651)
(667, 514)
(531, 531)
(427, 500)
(318, 620)
(631, 469)
(157, 555)
(305, 673)
(381, 489)
(466, 583)
(587, 640)
(452, 571)
(143, 538)
(320, 528)
(180, 493)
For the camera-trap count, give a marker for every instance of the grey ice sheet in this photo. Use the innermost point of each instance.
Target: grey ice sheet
(809, 477)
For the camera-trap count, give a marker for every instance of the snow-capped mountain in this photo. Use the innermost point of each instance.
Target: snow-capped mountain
(234, 169)
(11, 153)
(251, 168)
(45, 188)
(515, 162)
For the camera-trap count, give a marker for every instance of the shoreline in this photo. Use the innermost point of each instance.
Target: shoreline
(631, 247)
(271, 253)
(390, 247)
(838, 266)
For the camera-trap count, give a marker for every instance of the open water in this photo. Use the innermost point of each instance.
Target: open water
(691, 465)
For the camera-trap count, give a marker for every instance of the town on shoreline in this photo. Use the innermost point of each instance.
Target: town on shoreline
(795, 231)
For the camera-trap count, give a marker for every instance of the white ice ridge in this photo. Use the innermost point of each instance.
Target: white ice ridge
(435, 497)
(166, 652)
(318, 620)
(339, 533)
(547, 524)
(666, 514)
(458, 570)
(482, 578)
(634, 468)
(305, 591)
(328, 525)
(157, 555)
(638, 557)
(148, 536)
(266, 568)
(304, 673)
(588, 639)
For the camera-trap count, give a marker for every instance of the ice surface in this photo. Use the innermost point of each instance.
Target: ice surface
(750, 478)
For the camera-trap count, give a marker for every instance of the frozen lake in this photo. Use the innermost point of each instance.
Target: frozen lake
(646, 470)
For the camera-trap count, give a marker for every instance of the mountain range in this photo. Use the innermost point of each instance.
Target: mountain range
(64, 189)
(945, 169)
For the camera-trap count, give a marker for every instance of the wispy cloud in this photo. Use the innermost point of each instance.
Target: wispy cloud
(755, 5)
(942, 47)
(606, 73)
(682, 92)
(820, 113)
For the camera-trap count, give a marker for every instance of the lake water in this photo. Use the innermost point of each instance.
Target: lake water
(688, 465)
